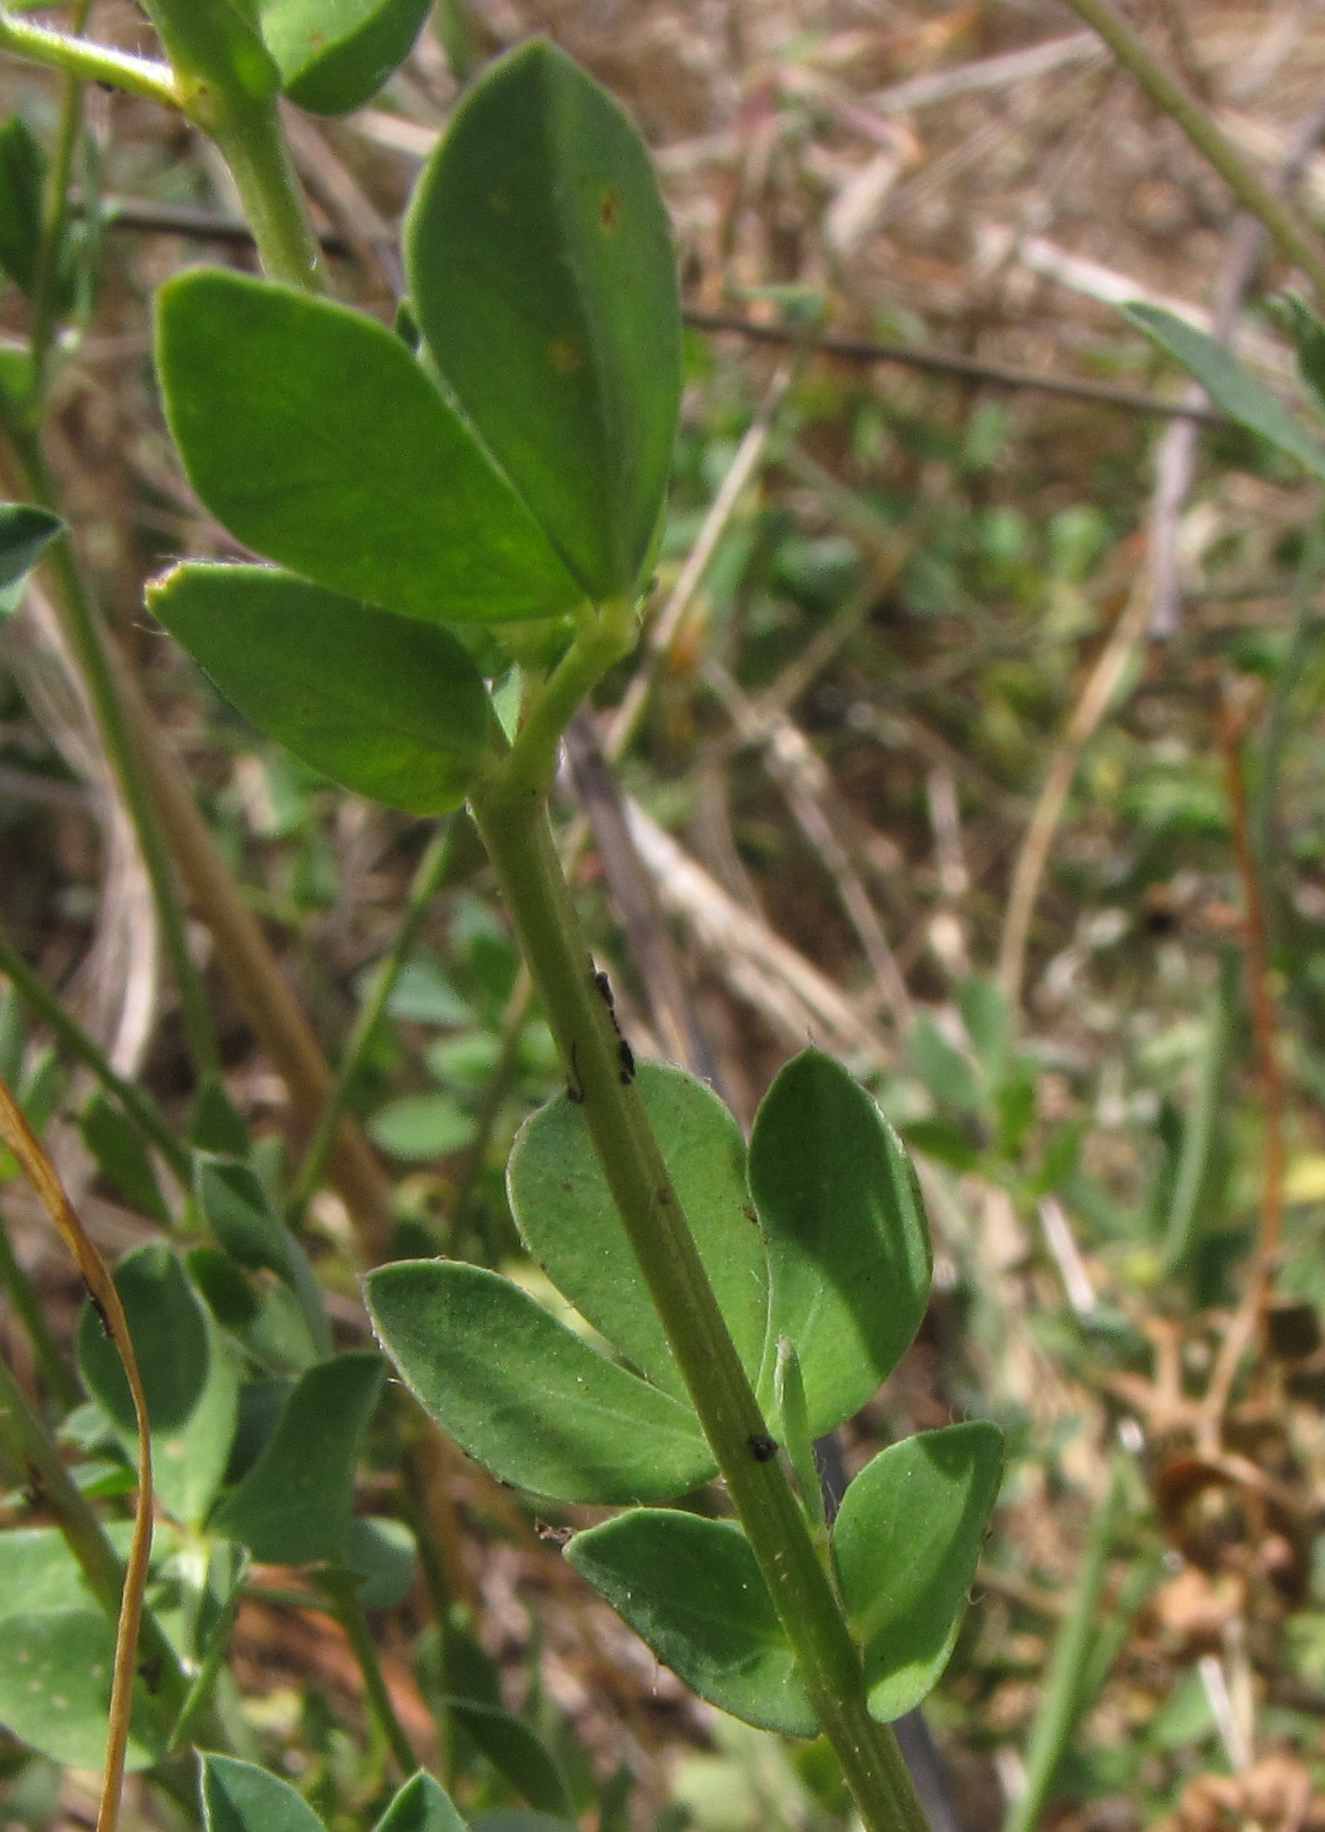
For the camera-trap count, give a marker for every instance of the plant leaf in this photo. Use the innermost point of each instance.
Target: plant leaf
(1306, 329)
(240, 1797)
(294, 1505)
(691, 1588)
(518, 1755)
(382, 1552)
(190, 1377)
(234, 1205)
(39, 1573)
(543, 278)
(22, 175)
(1230, 384)
(334, 55)
(317, 438)
(421, 1806)
(906, 1541)
(569, 1221)
(390, 708)
(524, 1395)
(55, 1683)
(122, 1157)
(848, 1245)
(25, 533)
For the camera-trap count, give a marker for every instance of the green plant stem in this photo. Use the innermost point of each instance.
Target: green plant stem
(1065, 1695)
(72, 1037)
(35, 1463)
(17, 1287)
(515, 830)
(80, 626)
(55, 216)
(250, 139)
(90, 63)
(429, 876)
(341, 1588)
(1281, 222)
(607, 633)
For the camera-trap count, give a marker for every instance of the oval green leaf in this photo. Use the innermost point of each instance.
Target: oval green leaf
(569, 1220)
(240, 1797)
(294, 1505)
(190, 1377)
(906, 1541)
(315, 436)
(55, 1683)
(334, 55)
(848, 1245)
(691, 1589)
(388, 707)
(421, 1806)
(543, 278)
(526, 1397)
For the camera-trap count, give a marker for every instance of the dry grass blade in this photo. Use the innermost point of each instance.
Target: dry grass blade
(41, 1173)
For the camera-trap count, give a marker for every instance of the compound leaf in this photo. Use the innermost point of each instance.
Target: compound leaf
(569, 1220)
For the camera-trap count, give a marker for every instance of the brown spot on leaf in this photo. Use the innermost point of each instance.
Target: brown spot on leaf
(565, 356)
(609, 210)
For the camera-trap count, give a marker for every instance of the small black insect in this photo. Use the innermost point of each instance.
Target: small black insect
(762, 1448)
(575, 1087)
(626, 1057)
(100, 1309)
(604, 989)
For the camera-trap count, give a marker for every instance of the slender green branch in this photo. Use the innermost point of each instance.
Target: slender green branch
(55, 218)
(80, 626)
(89, 63)
(341, 1587)
(515, 830)
(606, 633)
(431, 873)
(1282, 223)
(250, 139)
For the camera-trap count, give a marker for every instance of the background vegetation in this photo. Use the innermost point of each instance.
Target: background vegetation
(975, 716)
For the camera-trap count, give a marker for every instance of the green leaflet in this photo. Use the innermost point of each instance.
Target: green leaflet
(542, 276)
(691, 1589)
(317, 438)
(388, 707)
(848, 1245)
(569, 1221)
(525, 1396)
(334, 55)
(906, 1542)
